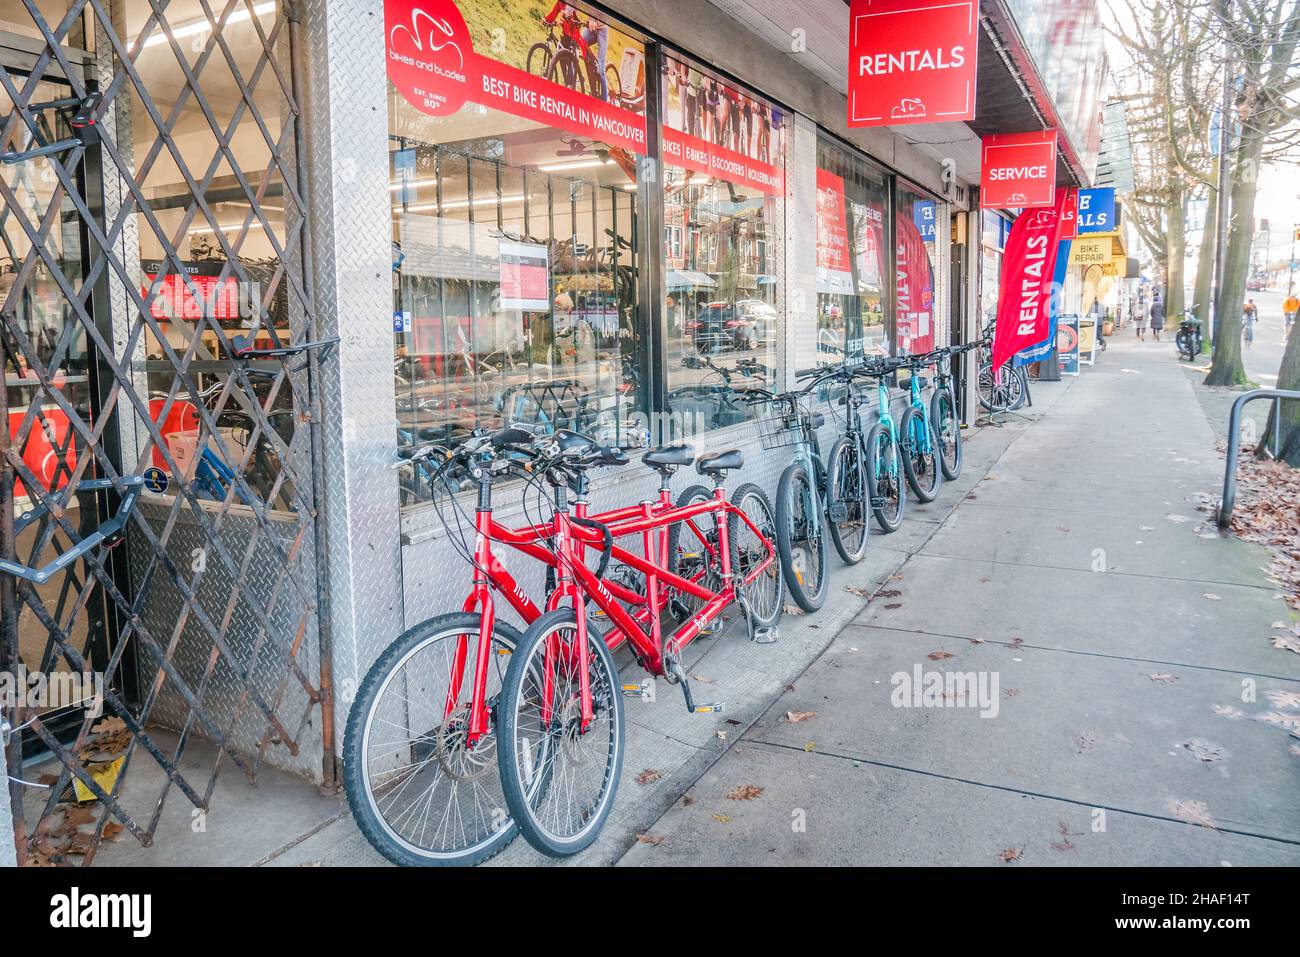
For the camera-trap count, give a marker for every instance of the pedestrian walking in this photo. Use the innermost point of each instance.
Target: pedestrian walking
(1249, 316)
(1141, 315)
(1157, 316)
(1289, 309)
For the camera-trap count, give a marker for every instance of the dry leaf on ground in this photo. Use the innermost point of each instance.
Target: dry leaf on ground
(744, 792)
(794, 717)
(649, 776)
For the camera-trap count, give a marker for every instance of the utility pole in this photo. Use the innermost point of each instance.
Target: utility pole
(1221, 198)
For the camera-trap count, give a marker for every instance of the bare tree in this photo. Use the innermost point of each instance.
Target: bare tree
(1261, 38)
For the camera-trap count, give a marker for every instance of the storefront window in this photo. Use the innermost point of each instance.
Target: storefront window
(916, 234)
(852, 261)
(724, 209)
(515, 210)
(993, 231)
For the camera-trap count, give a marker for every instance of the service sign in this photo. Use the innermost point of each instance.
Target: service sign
(912, 61)
(1018, 170)
(1097, 210)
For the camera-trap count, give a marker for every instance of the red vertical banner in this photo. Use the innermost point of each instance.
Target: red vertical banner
(1070, 215)
(833, 270)
(912, 61)
(1018, 170)
(915, 290)
(1025, 292)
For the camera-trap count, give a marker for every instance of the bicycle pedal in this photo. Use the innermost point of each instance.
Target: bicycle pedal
(643, 689)
(708, 708)
(765, 636)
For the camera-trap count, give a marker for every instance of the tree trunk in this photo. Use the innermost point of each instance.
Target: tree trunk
(1288, 377)
(1205, 258)
(1176, 252)
(1227, 368)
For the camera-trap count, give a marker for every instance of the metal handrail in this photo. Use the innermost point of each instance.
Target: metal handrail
(129, 485)
(1224, 517)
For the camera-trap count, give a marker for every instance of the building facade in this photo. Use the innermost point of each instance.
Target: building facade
(284, 256)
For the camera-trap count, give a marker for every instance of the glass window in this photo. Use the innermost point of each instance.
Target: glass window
(992, 233)
(724, 196)
(515, 210)
(916, 235)
(852, 255)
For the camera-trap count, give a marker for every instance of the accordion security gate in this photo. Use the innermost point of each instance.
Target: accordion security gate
(161, 358)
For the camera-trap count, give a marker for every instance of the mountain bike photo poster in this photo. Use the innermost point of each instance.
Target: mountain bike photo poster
(547, 62)
(1025, 292)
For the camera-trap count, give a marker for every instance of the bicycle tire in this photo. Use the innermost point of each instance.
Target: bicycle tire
(566, 70)
(846, 486)
(943, 414)
(770, 585)
(528, 813)
(538, 59)
(921, 468)
(357, 760)
(888, 491)
(685, 555)
(796, 547)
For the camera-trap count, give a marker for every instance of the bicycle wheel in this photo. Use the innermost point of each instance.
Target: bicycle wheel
(1017, 387)
(885, 479)
(766, 593)
(947, 431)
(801, 538)
(1003, 396)
(692, 558)
(560, 780)
(418, 794)
(539, 58)
(566, 70)
(848, 499)
(920, 455)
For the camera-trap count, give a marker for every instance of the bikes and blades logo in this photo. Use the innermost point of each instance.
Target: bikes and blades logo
(431, 56)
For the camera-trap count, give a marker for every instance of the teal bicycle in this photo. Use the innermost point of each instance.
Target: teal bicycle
(922, 463)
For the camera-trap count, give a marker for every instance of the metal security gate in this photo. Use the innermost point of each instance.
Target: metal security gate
(158, 453)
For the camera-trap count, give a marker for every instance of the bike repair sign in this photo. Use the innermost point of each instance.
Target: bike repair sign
(558, 75)
(912, 61)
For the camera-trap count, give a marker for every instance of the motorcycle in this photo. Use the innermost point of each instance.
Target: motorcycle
(1188, 339)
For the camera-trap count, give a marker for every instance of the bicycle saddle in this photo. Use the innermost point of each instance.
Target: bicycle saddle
(818, 419)
(714, 463)
(668, 456)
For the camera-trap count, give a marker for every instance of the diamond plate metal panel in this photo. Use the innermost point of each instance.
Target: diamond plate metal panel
(347, 164)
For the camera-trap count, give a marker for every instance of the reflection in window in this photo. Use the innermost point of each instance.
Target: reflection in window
(916, 232)
(852, 256)
(724, 203)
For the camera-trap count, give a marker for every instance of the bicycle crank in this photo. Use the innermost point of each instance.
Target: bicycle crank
(673, 672)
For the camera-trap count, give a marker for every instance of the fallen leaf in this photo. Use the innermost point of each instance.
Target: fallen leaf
(649, 776)
(893, 605)
(1012, 692)
(810, 746)
(940, 655)
(1163, 679)
(744, 792)
(1283, 699)
(707, 681)
(722, 818)
(855, 590)
(794, 717)
(113, 830)
(1086, 741)
(687, 800)
(976, 641)
(1228, 711)
(1010, 855)
(1193, 812)
(1015, 642)
(1287, 643)
(794, 610)
(654, 839)
(1282, 720)
(889, 593)
(1211, 596)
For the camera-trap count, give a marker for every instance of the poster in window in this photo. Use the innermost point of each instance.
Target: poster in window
(525, 276)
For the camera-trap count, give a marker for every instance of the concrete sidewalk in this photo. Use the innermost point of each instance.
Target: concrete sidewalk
(1137, 692)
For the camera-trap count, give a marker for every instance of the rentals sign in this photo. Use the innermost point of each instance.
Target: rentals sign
(912, 61)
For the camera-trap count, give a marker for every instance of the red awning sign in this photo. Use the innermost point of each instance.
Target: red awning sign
(912, 61)
(1018, 170)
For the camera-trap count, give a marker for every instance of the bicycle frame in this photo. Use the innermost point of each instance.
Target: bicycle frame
(578, 583)
(921, 429)
(886, 418)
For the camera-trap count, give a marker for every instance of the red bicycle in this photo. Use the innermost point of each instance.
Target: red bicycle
(420, 760)
(560, 711)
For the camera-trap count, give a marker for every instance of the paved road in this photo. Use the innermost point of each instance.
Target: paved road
(1137, 691)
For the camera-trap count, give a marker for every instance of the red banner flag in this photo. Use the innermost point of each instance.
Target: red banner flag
(1025, 293)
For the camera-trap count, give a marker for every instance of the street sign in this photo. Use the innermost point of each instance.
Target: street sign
(1018, 170)
(912, 61)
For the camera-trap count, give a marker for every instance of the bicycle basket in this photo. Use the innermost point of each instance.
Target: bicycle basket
(783, 427)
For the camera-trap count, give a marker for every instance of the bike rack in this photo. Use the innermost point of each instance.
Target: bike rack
(1224, 516)
(130, 485)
